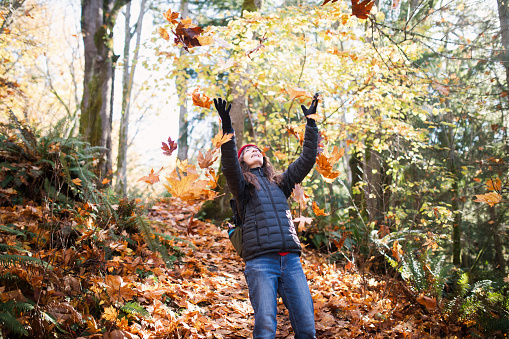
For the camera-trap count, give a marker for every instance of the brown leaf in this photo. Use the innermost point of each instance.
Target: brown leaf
(397, 252)
(208, 159)
(362, 9)
(187, 34)
(169, 147)
(298, 92)
(429, 303)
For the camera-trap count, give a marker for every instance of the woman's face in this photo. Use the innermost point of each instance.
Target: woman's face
(253, 157)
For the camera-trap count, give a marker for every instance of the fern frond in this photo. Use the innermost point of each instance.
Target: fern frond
(150, 238)
(23, 260)
(10, 228)
(135, 308)
(12, 324)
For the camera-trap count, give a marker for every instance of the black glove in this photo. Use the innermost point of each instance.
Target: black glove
(224, 113)
(311, 110)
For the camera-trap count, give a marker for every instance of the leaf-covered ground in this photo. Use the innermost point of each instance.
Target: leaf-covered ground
(105, 283)
(213, 293)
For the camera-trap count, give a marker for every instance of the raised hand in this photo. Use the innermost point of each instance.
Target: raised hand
(223, 112)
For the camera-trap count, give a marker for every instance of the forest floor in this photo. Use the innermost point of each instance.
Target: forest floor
(213, 295)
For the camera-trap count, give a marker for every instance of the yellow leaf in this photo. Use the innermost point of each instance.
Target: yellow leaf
(279, 155)
(206, 40)
(77, 181)
(110, 313)
(221, 138)
(491, 198)
(163, 33)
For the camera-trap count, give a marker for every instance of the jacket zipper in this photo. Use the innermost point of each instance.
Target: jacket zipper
(275, 210)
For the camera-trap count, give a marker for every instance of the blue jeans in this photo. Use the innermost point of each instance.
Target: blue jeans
(269, 275)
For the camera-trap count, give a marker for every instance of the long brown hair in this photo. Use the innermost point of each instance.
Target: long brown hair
(267, 169)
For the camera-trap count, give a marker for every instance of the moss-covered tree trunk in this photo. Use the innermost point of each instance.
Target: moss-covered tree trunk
(97, 22)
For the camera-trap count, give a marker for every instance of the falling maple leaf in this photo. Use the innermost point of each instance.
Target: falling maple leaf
(361, 9)
(327, 1)
(317, 210)
(171, 16)
(200, 100)
(491, 198)
(302, 221)
(77, 181)
(221, 138)
(494, 185)
(163, 34)
(298, 92)
(187, 34)
(300, 196)
(169, 147)
(224, 65)
(325, 162)
(152, 178)
(279, 155)
(207, 159)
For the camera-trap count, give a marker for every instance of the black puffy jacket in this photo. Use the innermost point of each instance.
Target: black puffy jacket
(268, 225)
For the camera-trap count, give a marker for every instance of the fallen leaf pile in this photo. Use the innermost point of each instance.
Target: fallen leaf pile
(127, 292)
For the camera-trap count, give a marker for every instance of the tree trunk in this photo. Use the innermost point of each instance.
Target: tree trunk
(97, 22)
(497, 243)
(183, 138)
(127, 86)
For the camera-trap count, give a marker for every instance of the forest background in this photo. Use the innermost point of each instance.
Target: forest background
(410, 182)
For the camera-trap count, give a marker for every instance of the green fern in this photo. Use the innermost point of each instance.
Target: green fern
(10, 228)
(150, 238)
(135, 308)
(23, 260)
(8, 312)
(169, 237)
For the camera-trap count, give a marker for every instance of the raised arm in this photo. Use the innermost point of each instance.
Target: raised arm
(298, 170)
(229, 161)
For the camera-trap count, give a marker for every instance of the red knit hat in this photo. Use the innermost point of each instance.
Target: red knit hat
(242, 148)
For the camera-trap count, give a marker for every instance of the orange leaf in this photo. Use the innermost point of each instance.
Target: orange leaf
(206, 40)
(105, 181)
(298, 92)
(77, 181)
(171, 16)
(206, 160)
(317, 210)
(221, 138)
(163, 33)
(397, 252)
(201, 100)
(279, 155)
(494, 185)
(362, 9)
(152, 178)
(491, 198)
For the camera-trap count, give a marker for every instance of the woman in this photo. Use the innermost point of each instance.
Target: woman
(270, 245)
